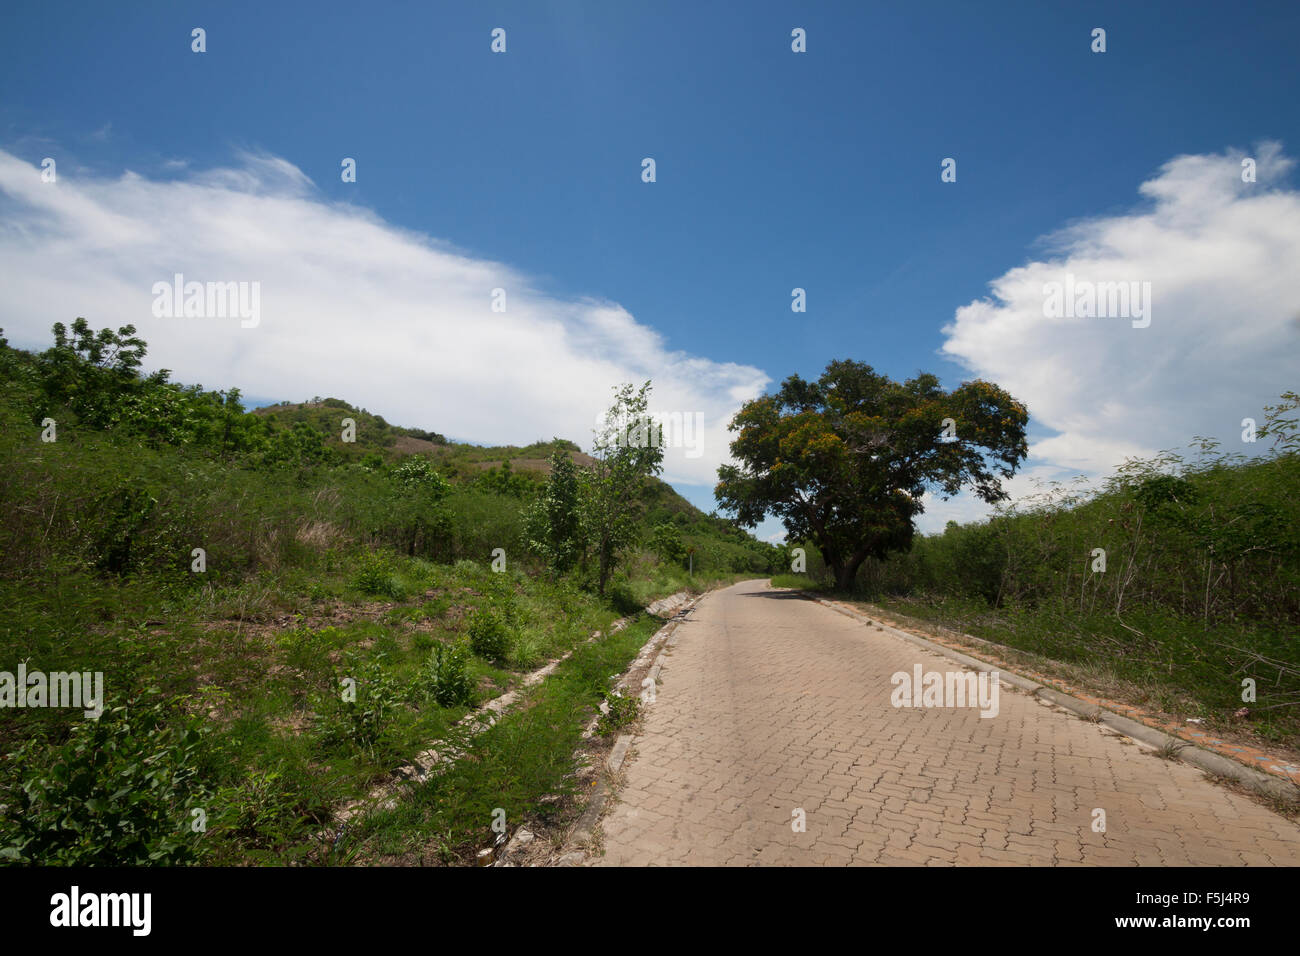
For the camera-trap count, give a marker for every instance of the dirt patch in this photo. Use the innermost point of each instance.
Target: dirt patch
(335, 615)
(536, 464)
(406, 445)
(292, 725)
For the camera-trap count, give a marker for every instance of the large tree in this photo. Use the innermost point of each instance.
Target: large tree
(844, 461)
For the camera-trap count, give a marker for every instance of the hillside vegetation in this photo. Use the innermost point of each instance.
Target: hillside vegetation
(229, 571)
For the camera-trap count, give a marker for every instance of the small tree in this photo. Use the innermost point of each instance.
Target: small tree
(666, 541)
(299, 446)
(504, 481)
(628, 449)
(554, 522)
(416, 474)
(93, 373)
(1284, 430)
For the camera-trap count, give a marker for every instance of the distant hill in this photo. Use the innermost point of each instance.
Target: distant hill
(373, 433)
(457, 461)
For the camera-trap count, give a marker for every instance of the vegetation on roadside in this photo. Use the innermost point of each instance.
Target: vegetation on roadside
(282, 616)
(520, 769)
(1171, 583)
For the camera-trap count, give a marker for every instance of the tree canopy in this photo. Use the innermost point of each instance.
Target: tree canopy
(626, 450)
(843, 461)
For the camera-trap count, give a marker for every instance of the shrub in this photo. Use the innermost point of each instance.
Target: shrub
(364, 721)
(527, 651)
(666, 541)
(622, 711)
(262, 808)
(375, 576)
(467, 568)
(481, 521)
(123, 516)
(623, 597)
(489, 635)
(119, 792)
(446, 675)
(417, 474)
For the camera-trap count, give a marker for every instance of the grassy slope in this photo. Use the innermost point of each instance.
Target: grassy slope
(521, 767)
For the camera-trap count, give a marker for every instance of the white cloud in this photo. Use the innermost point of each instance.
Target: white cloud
(351, 306)
(1224, 340)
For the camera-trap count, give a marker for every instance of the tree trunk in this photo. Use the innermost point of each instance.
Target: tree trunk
(846, 573)
(605, 556)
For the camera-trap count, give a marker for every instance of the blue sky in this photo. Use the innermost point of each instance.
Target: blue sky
(775, 170)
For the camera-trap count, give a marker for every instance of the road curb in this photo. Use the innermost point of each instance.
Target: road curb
(1190, 753)
(578, 841)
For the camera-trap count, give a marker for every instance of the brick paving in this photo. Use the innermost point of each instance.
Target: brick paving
(770, 706)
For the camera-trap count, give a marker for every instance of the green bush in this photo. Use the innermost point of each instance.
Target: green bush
(622, 596)
(622, 711)
(124, 515)
(447, 678)
(120, 791)
(666, 541)
(526, 652)
(417, 474)
(481, 521)
(262, 809)
(375, 576)
(363, 722)
(489, 634)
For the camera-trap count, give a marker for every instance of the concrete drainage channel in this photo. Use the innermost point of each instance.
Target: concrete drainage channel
(574, 852)
(440, 753)
(1212, 763)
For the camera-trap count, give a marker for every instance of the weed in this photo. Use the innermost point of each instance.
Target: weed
(526, 652)
(489, 634)
(363, 721)
(446, 676)
(1170, 750)
(622, 712)
(375, 576)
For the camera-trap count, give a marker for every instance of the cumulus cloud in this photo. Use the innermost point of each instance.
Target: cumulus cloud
(1221, 256)
(351, 306)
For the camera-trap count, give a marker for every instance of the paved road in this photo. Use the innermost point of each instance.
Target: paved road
(769, 705)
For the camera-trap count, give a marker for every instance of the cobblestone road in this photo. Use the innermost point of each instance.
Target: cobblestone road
(771, 707)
